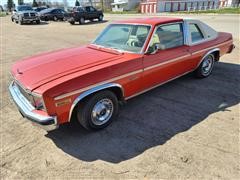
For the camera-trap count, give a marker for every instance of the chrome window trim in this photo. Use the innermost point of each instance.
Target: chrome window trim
(200, 25)
(142, 50)
(91, 91)
(155, 29)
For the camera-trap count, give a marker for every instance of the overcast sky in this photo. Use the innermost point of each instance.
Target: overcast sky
(70, 2)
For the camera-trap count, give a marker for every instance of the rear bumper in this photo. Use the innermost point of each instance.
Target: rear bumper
(46, 122)
(231, 48)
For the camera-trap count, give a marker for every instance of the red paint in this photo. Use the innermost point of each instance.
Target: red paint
(56, 73)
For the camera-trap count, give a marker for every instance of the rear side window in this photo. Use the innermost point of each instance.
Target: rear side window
(196, 34)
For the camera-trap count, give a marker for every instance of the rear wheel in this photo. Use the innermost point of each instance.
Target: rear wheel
(72, 22)
(206, 66)
(98, 111)
(38, 21)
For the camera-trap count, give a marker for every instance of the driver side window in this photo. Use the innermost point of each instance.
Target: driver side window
(167, 36)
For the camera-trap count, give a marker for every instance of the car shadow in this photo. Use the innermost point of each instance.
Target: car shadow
(35, 24)
(154, 118)
(91, 22)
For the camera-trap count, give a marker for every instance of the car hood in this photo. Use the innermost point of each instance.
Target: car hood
(35, 71)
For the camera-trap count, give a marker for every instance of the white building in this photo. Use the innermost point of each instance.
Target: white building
(153, 6)
(124, 5)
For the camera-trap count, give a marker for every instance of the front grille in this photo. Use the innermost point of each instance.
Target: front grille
(25, 94)
(32, 14)
(26, 14)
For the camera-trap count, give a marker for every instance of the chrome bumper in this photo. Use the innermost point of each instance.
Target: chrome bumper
(48, 123)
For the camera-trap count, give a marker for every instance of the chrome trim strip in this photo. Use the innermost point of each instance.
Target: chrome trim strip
(155, 29)
(157, 85)
(135, 72)
(98, 84)
(203, 50)
(90, 91)
(166, 62)
(209, 52)
(46, 122)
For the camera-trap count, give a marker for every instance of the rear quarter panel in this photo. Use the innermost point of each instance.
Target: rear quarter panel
(223, 42)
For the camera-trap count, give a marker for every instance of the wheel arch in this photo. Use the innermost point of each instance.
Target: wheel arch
(117, 89)
(215, 52)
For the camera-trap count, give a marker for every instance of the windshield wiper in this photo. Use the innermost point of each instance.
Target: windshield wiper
(111, 48)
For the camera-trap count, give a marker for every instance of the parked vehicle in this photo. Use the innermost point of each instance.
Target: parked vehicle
(38, 9)
(54, 14)
(25, 14)
(128, 58)
(81, 14)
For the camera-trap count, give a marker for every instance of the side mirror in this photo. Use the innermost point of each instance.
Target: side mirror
(156, 48)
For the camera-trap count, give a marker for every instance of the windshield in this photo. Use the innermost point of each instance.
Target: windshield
(125, 37)
(46, 10)
(24, 8)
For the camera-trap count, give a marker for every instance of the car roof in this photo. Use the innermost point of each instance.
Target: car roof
(151, 20)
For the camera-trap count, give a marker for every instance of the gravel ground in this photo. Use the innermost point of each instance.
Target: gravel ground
(188, 128)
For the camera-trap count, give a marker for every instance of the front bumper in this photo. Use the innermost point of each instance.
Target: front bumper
(24, 19)
(46, 122)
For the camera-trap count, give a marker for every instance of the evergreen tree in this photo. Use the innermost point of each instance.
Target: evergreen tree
(10, 4)
(20, 2)
(34, 4)
(77, 3)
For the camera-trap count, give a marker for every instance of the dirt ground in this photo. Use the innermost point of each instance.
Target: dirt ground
(188, 128)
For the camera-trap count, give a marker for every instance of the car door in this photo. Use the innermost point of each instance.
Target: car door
(172, 58)
(93, 12)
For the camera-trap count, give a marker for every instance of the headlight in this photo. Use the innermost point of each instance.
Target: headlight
(38, 102)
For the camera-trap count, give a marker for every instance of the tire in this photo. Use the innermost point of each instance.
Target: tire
(98, 111)
(38, 21)
(20, 22)
(12, 19)
(72, 22)
(100, 18)
(82, 20)
(55, 18)
(206, 67)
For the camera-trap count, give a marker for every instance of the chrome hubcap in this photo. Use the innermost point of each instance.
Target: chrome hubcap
(102, 111)
(207, 65)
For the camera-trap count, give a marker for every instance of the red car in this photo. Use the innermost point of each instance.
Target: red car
(128, 58)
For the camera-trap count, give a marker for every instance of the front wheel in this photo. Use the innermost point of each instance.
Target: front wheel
(98, 111)
(100, 18)
(82, 20)
(55, 18)
(206, 67)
